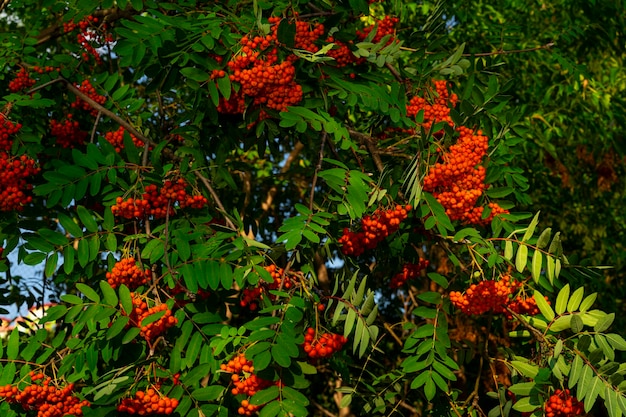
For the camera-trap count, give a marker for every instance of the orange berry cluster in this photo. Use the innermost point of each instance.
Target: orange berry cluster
(22, 81)
(46, 399)
(250, 297)
(88, 89)
(436, 108)
(409, 271)
(141, 311)
(67, 133)
(562, 404)
(158, 202)
(305, 38)
(493, 296)
(117, 139)
(127, 272)
(245, 382)
(147, 403)
(458, 181)
(374, 229)
(342, 54)
(266, 81)
(323, 346)
(385, 26)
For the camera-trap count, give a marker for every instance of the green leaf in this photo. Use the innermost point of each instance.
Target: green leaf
(561, 323)
(604, 323)
(87, 219)
(110, 297)
(117, 326)
(616, 341)
(575, 371)
(543, 306)
(70, 226)
(588, 302)
(265, 396)
(531, 228)
(577, 323)
(125, 299)
(526, 369)
(575, 299)
(525, 405)
(88, 291)
(591, 392)
(13, 347)
(561, 300)
(210, 393)
(521, 258)
(508, 250)
(536, 266)
(544, 238)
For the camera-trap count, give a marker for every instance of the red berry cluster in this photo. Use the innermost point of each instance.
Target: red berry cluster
(7, 130)
(323, 346)
(250, 297)
(493, 296)
(385, 26)
(117, 139)
(245, 382)
(562, 404)
(46, 399)
(141, 311)
(409, 271)
(67, 132)
(374, 229)
(88, 36)
(22, 81)
(436, 107)
(158, 202)
(14, 172)
(89, 90)
(147, 403)
(128, 272)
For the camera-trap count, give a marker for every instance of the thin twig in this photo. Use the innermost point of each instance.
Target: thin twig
(367, 141)
(207, 185)
(317, 170)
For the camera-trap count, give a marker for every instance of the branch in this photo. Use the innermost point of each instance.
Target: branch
(318, 167)
(216, 198)
(369, 144)
(298, 147)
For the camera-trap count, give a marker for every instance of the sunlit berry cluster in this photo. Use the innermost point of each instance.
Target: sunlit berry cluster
(67, 133)
(383, 27)
(141, 311)
(45, 398)
(22, 81)
(158, 202)
(562, 404)
(324, 345)
(494, 296)
(409, 271)
(251, 297)
(129, 273)
(435, 104)
(245, 382)
(374, 229)
(148, 402)
(86, 88)
(458, 180)
(116, 139)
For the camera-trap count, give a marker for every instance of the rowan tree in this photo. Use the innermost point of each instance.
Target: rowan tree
(279, 208)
